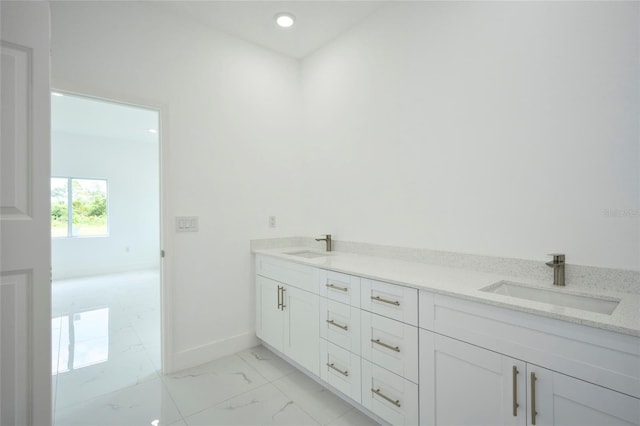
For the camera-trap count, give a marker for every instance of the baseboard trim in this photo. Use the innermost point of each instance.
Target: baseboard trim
(211, 351)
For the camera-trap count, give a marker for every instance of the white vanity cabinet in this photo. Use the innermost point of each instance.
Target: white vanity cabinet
(417, 357)
(287, 306)
(486, 365)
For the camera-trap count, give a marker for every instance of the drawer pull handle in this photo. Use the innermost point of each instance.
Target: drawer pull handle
(380, 299)
(344, 373)
(383, 396)
(279, 298)
(335, 287)
(514, 373)
(332, 322)
(534, 413)
(384, 345)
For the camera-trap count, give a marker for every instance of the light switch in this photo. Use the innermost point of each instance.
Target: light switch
(186, 223)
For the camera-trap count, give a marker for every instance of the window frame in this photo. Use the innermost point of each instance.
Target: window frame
(70, 180)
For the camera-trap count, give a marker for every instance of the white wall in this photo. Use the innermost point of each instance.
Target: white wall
(489, 128)
(230, 142)
(497, 128)
(131, 171)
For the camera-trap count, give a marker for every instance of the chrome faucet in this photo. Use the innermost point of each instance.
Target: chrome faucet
(327, 239)
(558, 268)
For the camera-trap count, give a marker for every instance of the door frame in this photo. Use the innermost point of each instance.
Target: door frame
(165, 237)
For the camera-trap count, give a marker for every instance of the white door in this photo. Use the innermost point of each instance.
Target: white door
(462, 384)
(562, 400)
(302, 329)
(25, 287)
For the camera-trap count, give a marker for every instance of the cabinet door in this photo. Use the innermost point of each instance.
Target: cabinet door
(559, 399)
(462, 384)
(269, 317)
(301, 328)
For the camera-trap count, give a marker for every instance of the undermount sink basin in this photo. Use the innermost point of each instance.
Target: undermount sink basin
(307, 254)
(601, 305)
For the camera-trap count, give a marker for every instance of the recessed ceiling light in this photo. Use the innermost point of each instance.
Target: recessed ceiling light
(285, 20)
(152, 131)
(56, 94)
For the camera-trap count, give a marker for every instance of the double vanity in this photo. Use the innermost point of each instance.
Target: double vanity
(412, 343)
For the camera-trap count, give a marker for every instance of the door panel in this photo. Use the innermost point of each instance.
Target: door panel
(25, 286)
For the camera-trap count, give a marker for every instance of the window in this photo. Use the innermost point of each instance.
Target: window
(88, 213)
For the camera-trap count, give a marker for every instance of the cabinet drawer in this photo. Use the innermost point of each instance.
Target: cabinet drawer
(341, 369)
(340, 324)
(296, 275)
(390, 300)
(388, 395)
(340, 287)
(390, 344)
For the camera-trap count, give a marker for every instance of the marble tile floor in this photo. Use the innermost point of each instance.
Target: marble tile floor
(110, 375)
(105, 335)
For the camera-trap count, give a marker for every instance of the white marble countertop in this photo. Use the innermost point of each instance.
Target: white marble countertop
(466, 284)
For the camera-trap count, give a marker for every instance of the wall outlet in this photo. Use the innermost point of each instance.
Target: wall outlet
(187, 224)
(272, 221)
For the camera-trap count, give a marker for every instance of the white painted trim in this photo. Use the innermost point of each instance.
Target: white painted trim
(212, 351)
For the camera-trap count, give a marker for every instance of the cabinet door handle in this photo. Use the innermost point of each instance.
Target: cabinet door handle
(514, 373)
(283, 305)
(384, 345)
(279, 297)
(344, 373)
(335, 324)
(335, 287)
(534, 413)
(380, 299)
(383, 396)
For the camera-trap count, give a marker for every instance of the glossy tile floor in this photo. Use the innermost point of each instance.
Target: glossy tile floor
(106, 368)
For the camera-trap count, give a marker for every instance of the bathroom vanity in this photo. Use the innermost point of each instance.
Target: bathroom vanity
(413, 343)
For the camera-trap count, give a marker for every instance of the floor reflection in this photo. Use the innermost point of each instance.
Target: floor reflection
(84, 340)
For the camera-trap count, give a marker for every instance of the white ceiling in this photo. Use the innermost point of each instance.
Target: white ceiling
(317, 22)
(92, 117)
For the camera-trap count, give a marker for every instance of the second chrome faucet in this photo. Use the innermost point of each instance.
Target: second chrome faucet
(327, 239)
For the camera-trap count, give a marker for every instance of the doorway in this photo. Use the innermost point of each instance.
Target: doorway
(105, 245)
